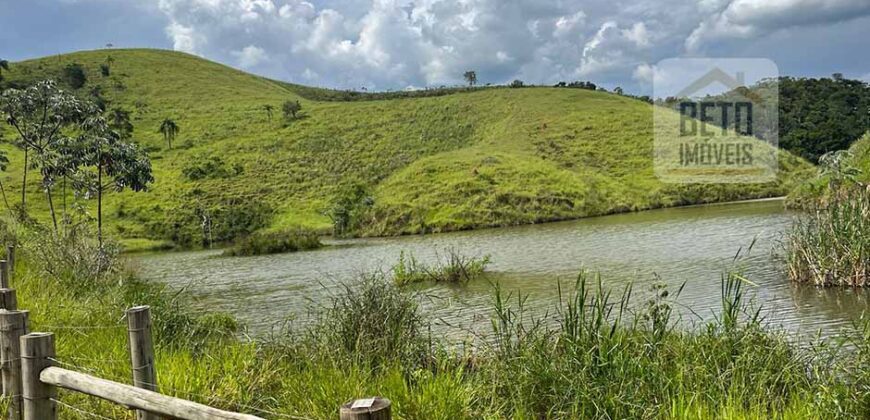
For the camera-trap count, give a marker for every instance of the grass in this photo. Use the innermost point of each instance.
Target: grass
(454, 268)
(263, 243)
(479, 158)
(595, 355)
(829, 243)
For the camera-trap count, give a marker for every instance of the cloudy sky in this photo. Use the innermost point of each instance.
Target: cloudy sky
(397, 44)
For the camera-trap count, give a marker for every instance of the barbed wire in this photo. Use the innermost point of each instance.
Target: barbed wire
(79, 410)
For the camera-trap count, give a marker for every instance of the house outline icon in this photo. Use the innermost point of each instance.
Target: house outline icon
(718, 75)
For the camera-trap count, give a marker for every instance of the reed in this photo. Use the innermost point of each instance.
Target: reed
(450, 267)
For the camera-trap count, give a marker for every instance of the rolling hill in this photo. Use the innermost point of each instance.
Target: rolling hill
(488, 157)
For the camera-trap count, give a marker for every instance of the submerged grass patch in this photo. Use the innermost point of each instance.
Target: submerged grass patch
(452, 267)
(263, 243)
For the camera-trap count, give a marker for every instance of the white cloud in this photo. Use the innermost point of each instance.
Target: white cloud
(386, 44)
(251, 56)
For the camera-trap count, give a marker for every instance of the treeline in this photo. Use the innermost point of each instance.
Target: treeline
(815, 116)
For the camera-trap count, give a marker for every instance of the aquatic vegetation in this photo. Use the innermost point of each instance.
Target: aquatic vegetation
(451, 268)
(262, 243)
(829, 245)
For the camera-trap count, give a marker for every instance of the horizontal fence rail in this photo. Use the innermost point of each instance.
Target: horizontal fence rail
(135, 398)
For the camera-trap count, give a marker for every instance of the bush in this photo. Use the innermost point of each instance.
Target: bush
(212, 167)
(261, 243)
(74, 75)
(455, 268)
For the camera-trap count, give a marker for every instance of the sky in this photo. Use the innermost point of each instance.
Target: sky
(407, 44)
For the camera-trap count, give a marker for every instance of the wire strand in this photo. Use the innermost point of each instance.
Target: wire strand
(79, 410)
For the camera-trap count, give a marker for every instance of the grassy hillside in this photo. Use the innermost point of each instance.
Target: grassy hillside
(492, 157)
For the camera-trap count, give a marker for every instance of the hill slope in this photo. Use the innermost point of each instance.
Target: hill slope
(487, 158)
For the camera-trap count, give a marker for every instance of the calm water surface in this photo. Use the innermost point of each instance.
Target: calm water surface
(692, 245)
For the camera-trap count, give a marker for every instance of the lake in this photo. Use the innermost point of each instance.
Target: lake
(691, 245)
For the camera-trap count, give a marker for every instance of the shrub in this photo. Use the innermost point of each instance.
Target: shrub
(261, 243)
(74, 75)
(455, 268)
(212, 167)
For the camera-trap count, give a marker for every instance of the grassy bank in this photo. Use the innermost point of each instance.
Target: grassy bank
(487, 157)
(597, 355)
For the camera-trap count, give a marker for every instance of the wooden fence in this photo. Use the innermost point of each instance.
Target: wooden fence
(30, 378)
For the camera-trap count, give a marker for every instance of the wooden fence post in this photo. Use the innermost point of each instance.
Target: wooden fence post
(142, 353)
(10, 257)
(13, 324)
(4, 274)
(8, 301)
(375, 408)
(38, 398)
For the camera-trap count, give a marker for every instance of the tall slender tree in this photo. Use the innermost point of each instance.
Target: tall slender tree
(169, 129)
(470, 77)
(118, 164)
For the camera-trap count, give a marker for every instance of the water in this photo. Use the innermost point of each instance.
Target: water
(691, 245)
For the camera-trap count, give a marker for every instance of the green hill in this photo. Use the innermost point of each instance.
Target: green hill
(490, 157)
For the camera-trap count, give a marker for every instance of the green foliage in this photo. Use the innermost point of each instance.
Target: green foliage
(74, 75)
(211, 167)
(291, 109)
(264, 243)
(454, 268)
(517, 84)
(470, 77)
(105, 70)
(349, 209)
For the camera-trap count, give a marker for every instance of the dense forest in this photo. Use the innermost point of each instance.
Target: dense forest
(816, 116)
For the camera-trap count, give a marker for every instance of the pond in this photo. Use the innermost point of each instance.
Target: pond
(694, 246)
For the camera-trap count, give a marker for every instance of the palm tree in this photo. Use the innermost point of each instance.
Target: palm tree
(169, 129)
(471, 77)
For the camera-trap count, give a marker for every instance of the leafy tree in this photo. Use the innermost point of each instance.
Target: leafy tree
(269, 110)
(470, 77)
(169, 129)
(349, 207)
(74, 75)
(43, 116)
(290, 109)
(618, 90)
(122, 162)
(119, 120)
(517, 84)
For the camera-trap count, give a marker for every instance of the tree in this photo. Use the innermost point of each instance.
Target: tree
(618, 90)
(44, 117)
(119, 120)
(269, 109)
(122, 162)
(169, 129)
(517, 84)
(470, 77)
(4, 65)
(291, 108)
(74, 75)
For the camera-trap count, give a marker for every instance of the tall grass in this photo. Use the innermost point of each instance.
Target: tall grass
(829, 245)
(263, 243)
(451, 267)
